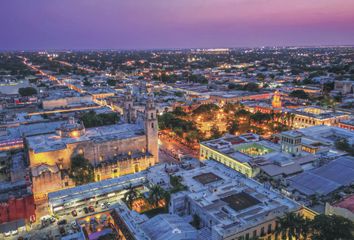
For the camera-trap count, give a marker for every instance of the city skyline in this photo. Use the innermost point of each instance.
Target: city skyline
(112, 24)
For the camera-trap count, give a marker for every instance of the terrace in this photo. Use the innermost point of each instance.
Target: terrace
(207, 178)
(253, 149)
(240, 201)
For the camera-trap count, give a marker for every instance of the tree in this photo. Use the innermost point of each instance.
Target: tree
(327, 87)
(87, 82)
(332, 227)
(228, 107)
(290, 226)
(215, 132)
(156, 194)
(81, 170)
(131, 195)
(343, 144)
(252, 87)
(179, 94)
(27, 91)
(196, 221)
(206, 108)
(111, 82)
(299, 94)
(233, 127)
(178, 111)
(91, 119)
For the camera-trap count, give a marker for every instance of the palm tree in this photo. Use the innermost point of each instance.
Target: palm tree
(293, 116)
(156, 193)
(131, 195)
(290, 226)
(305, 228)
(332, 228)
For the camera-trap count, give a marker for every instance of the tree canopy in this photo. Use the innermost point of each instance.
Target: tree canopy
(322, 227)
(81, 170)
(91, 119)
(27, 91)
(299, 94)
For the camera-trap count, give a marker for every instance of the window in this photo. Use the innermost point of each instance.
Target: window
(254, 233)
(152, 125)
(247, 236)
(269, 228)
(262, 231)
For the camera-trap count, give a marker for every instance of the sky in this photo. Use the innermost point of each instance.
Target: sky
(149, 24)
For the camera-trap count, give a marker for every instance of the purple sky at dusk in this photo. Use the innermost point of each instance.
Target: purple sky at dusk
(139, 24)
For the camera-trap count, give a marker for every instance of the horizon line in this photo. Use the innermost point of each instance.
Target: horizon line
(173, 49)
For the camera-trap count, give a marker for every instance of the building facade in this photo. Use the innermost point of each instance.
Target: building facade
(113, 150)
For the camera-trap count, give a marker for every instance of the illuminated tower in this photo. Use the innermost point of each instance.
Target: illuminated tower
(128, 110)
(276, 102)
(151, 128)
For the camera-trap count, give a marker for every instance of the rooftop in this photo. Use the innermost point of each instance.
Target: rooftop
(235, 202)
(325, 179)
(240, 201)
(53, 142)
(318, 113)
(347, 203)
(206, 178)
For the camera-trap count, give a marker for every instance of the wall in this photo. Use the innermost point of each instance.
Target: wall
(244, 168)
(15, 209)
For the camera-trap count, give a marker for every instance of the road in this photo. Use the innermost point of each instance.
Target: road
(173, 148)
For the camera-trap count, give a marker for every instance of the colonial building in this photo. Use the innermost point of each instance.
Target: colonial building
(312, 116)
(112, 150)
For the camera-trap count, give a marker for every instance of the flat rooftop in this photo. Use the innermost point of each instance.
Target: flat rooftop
(234, 201)
(53, 142)
(325, 179)
(244, 148)
(327, 134)
(240, 201)
(206, 178)
(318, 113)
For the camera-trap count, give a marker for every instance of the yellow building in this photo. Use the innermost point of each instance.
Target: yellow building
(312, 116)
(236, 152)
(113, 150)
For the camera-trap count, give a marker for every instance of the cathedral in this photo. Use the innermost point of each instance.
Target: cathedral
(276, 102)
(113, 150)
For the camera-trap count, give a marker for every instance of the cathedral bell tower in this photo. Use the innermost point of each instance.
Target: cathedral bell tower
(128, 110)
(151, 129)
(276, 102)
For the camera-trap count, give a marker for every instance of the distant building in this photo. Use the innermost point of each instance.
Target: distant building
(63, 99)
(344, 87)
(276, 102)
(312, 116)
(347, 124)
(344, 208)
(16, 202)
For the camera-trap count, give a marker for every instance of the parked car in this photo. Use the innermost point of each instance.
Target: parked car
(62, 222)
(74, 213)
(62, 231)
(86, 211)
(91, 209)
(52, 219)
